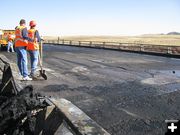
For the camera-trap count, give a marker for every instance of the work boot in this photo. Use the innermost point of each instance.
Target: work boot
(27, 78)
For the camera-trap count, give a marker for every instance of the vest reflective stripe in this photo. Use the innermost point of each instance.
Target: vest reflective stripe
(32, 45)
(19, 41)
(18, 34)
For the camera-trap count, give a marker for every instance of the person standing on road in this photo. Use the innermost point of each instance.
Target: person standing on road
(33, 47)
(10, 43)
(21, 42)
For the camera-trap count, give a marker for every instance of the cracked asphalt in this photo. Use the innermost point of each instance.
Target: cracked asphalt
(126, 93)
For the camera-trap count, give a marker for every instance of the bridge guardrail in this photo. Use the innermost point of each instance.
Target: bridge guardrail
(135, 47)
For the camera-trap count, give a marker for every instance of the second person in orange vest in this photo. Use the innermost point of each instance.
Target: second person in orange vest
(33, 47)
(10, 43)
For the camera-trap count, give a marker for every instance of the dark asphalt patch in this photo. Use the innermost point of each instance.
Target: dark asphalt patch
(124, 108)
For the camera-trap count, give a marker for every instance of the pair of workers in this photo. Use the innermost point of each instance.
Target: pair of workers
(27, 40)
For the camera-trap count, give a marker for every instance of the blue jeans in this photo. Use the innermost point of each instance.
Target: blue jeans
(22, 60)
(34, 60)
(10, 45)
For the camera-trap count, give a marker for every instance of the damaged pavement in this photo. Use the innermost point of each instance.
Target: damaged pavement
(24, 112)
(125, 93)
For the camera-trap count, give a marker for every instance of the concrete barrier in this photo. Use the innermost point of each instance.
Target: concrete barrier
(64, 118)
(14, 69)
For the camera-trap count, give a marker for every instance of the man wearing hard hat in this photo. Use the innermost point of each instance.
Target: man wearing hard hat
(33, 47)
(21, 42)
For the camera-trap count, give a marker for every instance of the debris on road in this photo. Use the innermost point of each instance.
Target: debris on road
(24, 112)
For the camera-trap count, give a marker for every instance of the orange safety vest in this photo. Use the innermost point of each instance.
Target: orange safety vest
(19, 40)
(10, 38)
(32, 45)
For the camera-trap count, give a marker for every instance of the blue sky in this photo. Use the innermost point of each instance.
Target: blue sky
(93, 17)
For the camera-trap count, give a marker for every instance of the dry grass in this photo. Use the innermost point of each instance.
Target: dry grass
(171, 40)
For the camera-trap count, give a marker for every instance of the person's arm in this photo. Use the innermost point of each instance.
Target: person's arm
(37, 36)
(25, 35)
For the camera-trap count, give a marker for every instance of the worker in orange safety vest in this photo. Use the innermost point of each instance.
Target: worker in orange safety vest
(33, 47)
(10, 39)
(21, 42)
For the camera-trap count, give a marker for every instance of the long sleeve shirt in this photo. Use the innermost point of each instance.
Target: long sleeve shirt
(25, 35)
(37, 36)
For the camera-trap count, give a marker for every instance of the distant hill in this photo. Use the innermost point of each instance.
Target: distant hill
(173, 33)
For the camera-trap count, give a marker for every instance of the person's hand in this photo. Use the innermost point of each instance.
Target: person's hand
(35, 40)
(26, 41)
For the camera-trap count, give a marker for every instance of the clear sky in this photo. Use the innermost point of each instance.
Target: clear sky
(93, 17)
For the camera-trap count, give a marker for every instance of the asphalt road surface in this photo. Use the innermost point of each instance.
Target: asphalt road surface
(126, 93)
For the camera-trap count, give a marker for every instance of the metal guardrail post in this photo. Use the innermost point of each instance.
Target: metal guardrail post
(104, 44)
(169, 50)
(58, 40)
(90, 43)
(141, 48)
(119, 46)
